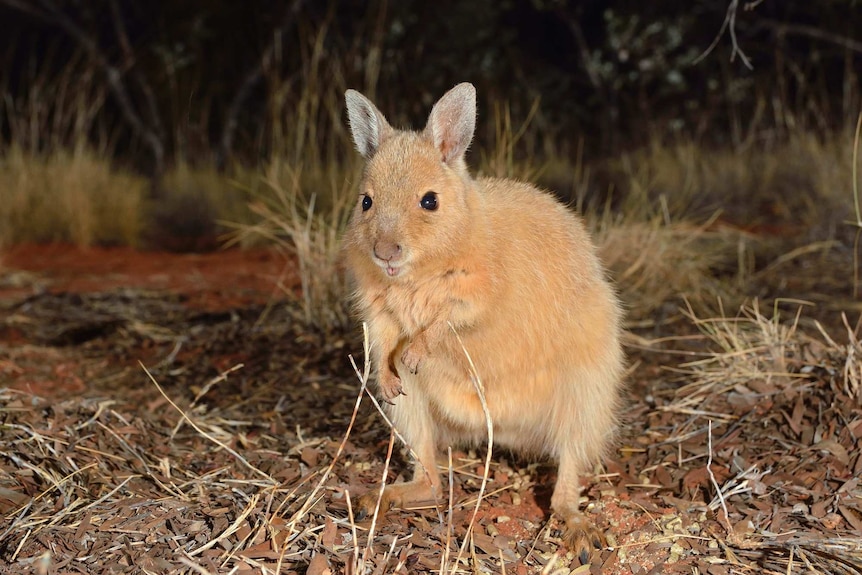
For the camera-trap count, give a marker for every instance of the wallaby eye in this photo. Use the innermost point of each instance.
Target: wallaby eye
(366, 203)
(429, 201)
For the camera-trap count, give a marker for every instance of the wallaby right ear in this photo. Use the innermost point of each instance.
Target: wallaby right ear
(367, 125)
(452, 122)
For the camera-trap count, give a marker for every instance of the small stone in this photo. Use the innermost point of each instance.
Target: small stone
(676, 553)
(694, 528)
(831, 521)
(622, 555)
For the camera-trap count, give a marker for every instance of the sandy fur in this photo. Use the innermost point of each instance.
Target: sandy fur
(516, 274)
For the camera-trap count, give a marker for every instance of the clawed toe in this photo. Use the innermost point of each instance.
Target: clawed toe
(582, 538)
(367, 504)
(390, 387)
(389, 395)
(411, 361)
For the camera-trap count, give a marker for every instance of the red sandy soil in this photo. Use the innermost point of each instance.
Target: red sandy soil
(212, 281)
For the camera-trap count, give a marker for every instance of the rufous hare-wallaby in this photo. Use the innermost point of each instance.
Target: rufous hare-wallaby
(433, 251)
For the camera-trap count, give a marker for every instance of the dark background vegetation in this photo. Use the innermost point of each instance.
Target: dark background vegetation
(198, 80)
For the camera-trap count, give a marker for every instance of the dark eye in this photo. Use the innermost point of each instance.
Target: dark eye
(366, 203)
(429, 201)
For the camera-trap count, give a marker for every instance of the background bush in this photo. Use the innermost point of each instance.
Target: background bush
(221, 81)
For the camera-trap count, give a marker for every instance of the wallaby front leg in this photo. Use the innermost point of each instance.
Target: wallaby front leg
(422, 344)
(385, 334)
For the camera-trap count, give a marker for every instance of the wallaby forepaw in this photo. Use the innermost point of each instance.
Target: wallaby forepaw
(582, 537)
(390, 386)
(411, 358)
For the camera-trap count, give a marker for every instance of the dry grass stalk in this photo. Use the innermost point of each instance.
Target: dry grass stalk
(752, 350)
(297, 225)
(855, 169)
(656, 263)
(199, 429)
(376, 515)
(855, 183)
(718, 491)
(848, 356)
(489, 425)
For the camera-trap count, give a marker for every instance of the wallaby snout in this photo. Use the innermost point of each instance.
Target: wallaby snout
(387, 251)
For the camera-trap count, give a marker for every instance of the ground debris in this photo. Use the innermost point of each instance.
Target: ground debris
(745, 459)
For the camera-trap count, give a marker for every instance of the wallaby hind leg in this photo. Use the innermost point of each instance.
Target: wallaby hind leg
(399, 495)
(411, 418)
(581, 534)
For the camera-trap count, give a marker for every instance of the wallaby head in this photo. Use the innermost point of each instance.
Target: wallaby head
(416, 195)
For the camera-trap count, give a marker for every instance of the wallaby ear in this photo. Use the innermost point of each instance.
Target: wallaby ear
(452, 122)
(367, 125)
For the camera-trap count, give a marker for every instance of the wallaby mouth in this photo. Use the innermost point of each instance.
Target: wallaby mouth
(389, 256)
(391, 270)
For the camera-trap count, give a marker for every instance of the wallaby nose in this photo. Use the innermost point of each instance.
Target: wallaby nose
(387, 251)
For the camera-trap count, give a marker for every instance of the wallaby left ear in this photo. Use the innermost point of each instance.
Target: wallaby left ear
(368, 126)
(453, 121)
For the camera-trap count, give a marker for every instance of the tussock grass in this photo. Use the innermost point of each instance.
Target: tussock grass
(301, 195)
(759, 353)
(801, 180)
(848, 357)
(74, 197)
(679, 220)
(306, 227)
(675, 219)
(656, 264)
(79, 197)
(748, 349)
